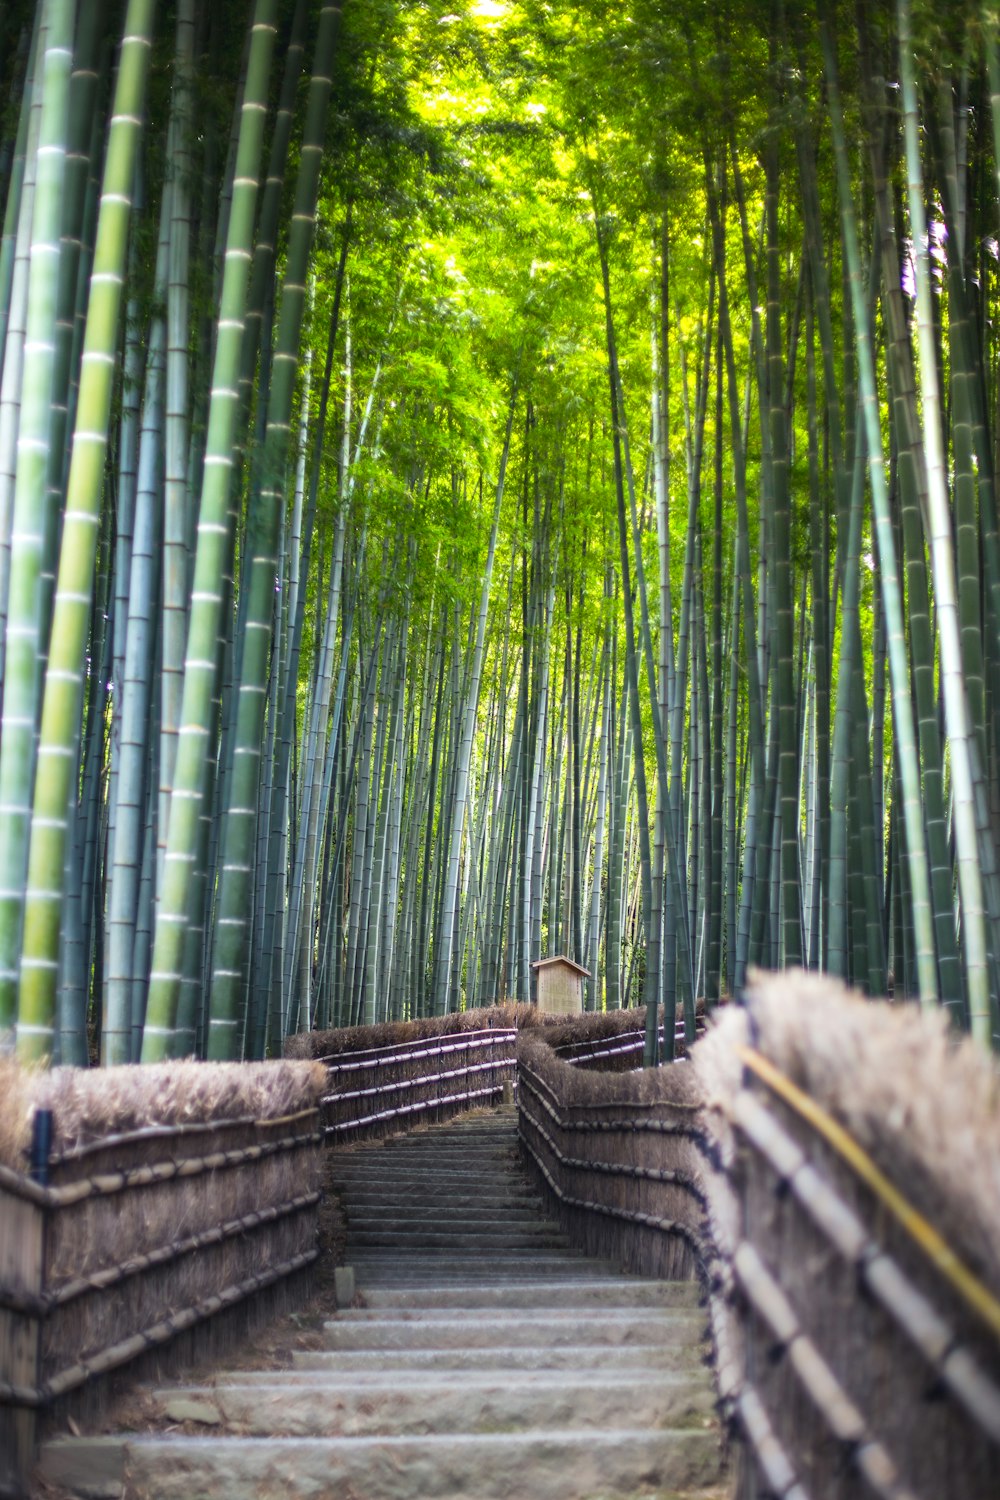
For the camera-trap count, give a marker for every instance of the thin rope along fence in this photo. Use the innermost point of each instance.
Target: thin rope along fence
(147, 1339)
(613, 1169)
(609, 1169)
(106, 1184)
(41, 1306)
(134, 1242)
(934, 1245)
(416, 1050)
(549, 1101)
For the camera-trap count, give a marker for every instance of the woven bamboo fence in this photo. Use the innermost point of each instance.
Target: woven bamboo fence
(126, 1238)
(623, 1051)
(854, 1205)
(590, 1026)
(382, 1090)
(390, 1078)
(830, 1169)
(619, 1154)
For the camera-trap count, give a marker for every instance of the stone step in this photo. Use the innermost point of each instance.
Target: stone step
(503, 1127)
(451, 1142)
(502, 1147)
(501, 1358)
(509, 1402)
(486, 1240)
(579, 1314)
(498, 1122)
(550, 1465)
(465, 1169)
(416, 1283)
(399, 1281)
(418, 1143)
(458, 1218)
(438, 1143)
(474, 1267)
(408, 1190)
(460, 1183)
(502, 1123)
(525, 1330)
(373, 1267)
(454, 1205)
(606, 1292)
(334, 1376)
(564, 1253)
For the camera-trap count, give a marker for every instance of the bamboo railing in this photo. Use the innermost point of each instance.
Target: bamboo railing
(621, 1053)
(856, 1349)
(864, 1353)
(430, 1069)
(126, 1243)
(619, 1153)
(380, 1090)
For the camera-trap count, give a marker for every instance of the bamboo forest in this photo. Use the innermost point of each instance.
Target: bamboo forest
(490, 479)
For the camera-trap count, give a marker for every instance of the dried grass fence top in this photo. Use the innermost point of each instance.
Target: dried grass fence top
(89, 1106)
(346, 1039)
(676, 1084)
(923, 1102)
(590, 1026)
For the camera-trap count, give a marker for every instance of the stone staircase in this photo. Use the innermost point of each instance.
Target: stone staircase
(484, 1360)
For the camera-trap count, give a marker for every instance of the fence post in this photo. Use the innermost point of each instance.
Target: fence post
(22, 1276)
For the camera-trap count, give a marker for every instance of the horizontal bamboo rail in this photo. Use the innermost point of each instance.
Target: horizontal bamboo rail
(115, 1355)
(419, 1049)
(628, 1046)
(149, 1133)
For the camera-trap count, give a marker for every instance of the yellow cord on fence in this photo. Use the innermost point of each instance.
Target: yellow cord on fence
(931, 1242)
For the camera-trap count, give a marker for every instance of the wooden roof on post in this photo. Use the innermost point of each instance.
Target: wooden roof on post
(545, 963)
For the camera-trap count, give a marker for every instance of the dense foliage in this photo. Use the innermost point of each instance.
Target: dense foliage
(489, 480)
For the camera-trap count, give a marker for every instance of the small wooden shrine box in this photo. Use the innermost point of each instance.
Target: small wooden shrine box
(560, 986)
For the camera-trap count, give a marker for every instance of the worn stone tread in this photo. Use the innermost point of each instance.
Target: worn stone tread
(525, 1330)
(548, 1465)
(578, 1311)
(495, 1403)
(332, 1377)
(675, 1356)
(609, 1291)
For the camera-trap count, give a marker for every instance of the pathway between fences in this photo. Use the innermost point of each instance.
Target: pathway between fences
(820, 1175)
(483, 1357)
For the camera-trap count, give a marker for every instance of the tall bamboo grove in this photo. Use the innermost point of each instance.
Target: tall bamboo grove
(490, 481)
